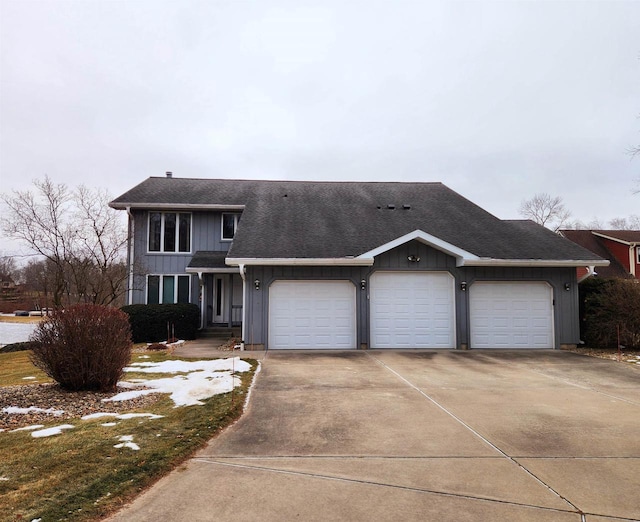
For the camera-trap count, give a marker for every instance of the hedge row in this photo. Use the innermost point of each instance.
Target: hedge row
(153, 323)
(18, 347)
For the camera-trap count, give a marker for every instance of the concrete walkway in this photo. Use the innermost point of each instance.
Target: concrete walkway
(442, 436)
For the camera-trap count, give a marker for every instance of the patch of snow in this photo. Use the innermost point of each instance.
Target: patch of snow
(201, 379)
(98, 415)
(24, 411)
(121, 416)
(30, 378)
(36, 520)
(126, 442)
(190, 389)
(56, 430)
(126, 416)
(180, 366)
(144, 357)
(29, 428)
(3, 479)
(109, 424)
(134, 394)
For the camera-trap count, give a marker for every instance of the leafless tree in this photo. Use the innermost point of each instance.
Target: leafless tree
(76, 232)
(629, 223)
(8, 268)
(546, 210)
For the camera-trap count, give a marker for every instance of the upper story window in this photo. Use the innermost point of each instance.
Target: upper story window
(169, 232)
(229, 225)
(638, 254)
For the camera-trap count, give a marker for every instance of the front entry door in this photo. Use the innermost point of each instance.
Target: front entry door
(219, 298)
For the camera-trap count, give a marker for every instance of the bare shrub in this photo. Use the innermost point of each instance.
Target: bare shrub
(615, 306)
(84, 347)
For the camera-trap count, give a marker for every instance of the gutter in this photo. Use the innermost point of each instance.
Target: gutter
(299, 261)
(368, 261)
(174, 206)
(534, 262)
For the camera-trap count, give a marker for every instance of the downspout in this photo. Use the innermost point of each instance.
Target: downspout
(131, 243)
(243, 274)
(201, 299)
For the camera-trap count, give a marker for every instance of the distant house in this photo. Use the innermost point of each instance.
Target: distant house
(351, 265)
(620, 247)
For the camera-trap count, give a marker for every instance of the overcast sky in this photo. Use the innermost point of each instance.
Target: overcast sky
(498, 100)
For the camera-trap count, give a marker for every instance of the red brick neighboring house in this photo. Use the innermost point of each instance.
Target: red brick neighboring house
(620, 247)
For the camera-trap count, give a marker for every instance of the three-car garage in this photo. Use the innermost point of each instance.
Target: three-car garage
(410, 310)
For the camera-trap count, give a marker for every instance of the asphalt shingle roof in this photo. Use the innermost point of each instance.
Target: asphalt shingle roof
(301, 219)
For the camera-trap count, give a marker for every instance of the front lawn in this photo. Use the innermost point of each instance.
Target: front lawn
(94, 467)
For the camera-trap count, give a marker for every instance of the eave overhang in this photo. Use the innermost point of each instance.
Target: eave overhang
(175, 206)
(209, 270)
(616, 239)
(536, 262)
(299, 261)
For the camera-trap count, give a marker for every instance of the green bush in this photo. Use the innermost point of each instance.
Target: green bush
(153, 323)
(611, 308)
(84, 347)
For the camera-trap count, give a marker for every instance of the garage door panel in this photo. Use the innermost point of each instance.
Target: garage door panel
(412, 310)
(316, 314)
(511, 315)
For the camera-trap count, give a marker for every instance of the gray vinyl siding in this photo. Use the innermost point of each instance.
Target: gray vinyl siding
(206, 232)
(566, 324)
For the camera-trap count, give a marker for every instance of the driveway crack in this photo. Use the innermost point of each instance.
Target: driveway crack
(380, 484)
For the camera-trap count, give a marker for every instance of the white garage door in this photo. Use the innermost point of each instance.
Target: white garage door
(312, 314)
(511, 315)
(412, 310)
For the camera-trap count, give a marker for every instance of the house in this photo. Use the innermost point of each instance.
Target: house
(620, 247)
(348, 265)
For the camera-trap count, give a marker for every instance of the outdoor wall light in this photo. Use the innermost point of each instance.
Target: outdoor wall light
(463, 286)
(363, 284)
(413, 258)
(256, 283)
(567, 286)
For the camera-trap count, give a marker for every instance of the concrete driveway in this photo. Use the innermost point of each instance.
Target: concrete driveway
(430, 435)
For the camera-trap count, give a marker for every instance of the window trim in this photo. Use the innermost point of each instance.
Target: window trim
(236, 220)
(638, 254)
(161, 287)
(162, 232)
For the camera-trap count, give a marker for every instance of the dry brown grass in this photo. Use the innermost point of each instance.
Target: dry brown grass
(18, 319)
(79, 475)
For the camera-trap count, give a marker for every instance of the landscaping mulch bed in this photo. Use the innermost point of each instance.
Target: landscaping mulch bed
(52, 396)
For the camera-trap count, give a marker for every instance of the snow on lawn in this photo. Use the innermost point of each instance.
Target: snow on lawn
(29, 428)
(121, 416)
(126, 441)
(55, 430)
(180, 366)
(32, 409)
(200, 379)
